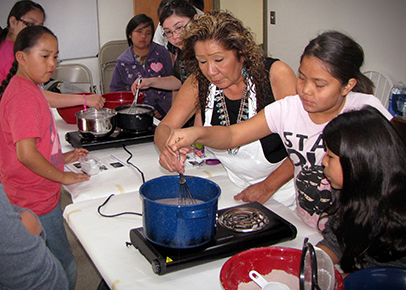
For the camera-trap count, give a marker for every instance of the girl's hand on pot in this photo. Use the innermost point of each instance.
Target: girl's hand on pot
(72, 178)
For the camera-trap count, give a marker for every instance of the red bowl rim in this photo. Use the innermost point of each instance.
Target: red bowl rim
(106, 95)
(271, 249)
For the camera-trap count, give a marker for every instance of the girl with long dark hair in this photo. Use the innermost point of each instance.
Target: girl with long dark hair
(365, 164)
(31, 159)
(329, 84)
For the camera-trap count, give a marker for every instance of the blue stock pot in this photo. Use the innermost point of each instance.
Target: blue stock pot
(179, 226)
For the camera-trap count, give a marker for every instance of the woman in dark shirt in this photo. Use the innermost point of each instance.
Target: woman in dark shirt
(229, 73)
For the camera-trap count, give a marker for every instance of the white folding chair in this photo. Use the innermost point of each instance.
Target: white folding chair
(107, 58)
(383, 85)
(75, 74)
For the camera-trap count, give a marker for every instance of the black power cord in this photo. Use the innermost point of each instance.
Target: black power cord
(128, 161)
(105, 202)
(114, 215)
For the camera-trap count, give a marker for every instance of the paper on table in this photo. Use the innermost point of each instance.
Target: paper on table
(106, 164)
(115, 177)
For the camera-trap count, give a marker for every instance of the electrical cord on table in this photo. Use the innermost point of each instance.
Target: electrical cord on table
(128, 161)
(105, 202)
(114, 215)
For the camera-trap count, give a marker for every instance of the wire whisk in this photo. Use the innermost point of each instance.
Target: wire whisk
(133, 108)
(185, 195)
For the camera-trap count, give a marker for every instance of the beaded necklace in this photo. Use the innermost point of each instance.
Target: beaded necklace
(223, 112)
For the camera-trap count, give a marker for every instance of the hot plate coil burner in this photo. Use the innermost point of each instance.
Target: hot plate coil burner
(232, 236)
(243, 219)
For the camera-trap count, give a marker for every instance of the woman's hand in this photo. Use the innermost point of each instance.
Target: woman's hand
(171, 162)
(176, 145)
(256, 192)
(180, 140)
(95, 101)
(74, 155)
(262, 191)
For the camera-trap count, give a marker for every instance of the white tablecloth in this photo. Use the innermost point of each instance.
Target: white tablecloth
(104, 239)
(127, 178)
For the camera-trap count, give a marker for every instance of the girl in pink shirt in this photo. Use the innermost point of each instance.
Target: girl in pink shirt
(31, 160)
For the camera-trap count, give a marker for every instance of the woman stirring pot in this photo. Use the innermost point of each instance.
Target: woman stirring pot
(231, 80)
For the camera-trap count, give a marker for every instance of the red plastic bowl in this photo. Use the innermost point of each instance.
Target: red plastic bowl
(115, 99)
(68, 113)
(263, 260)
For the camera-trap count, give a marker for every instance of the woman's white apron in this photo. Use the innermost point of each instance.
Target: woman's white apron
(249, 166)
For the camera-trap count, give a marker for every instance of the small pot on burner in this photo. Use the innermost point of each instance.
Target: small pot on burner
(94, 124)
(138, 119)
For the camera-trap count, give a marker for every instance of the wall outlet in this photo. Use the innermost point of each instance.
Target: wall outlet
(273, 17)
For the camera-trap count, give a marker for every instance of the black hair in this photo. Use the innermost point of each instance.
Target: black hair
(369, 212)
(178, 7)
(161, 6)
(19, 10)
(26, 39)
(135, 22)
(343, 58)
(223, 28)
(198, 4)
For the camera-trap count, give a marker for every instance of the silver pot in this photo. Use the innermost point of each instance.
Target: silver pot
(96, 123)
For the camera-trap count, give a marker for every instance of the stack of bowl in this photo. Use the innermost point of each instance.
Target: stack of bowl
(236, 270)
(113, 100)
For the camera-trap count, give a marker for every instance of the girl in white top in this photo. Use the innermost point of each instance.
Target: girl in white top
(329, 83)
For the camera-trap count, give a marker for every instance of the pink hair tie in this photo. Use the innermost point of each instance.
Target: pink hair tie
(85, 104)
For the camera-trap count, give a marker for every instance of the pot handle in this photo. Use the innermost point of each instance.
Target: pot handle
(192, 214)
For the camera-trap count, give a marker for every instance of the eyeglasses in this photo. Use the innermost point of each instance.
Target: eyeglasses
(26, 23)
(178, 30)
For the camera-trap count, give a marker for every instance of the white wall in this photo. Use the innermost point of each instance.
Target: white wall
(378, 26)
(113, 18)
(250, 12)
(64, 17)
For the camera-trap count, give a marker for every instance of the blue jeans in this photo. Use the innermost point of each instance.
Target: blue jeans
(58, 243)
